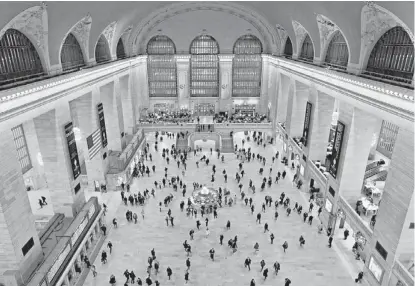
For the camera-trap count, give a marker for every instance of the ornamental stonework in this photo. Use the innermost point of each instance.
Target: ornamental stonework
(82, 30)
(300, 33)
(109, 32)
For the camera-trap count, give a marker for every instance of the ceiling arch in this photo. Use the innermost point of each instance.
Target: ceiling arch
(137, 40)
(300, 35)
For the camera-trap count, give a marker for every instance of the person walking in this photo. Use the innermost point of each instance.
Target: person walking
(221, 239)
(285, 246)
(94, 270)
(252, 282)
(188, 263)
(359, 277)
(272, 238)
(186, 276)
(346, 234)
(265, 274)
(330, 241)
(266, 227)
(287, 282)
(277, 267)
(212, 254)
(248, 263)
(109, 245)
(169, 272)
(262, 263)
(302, 240)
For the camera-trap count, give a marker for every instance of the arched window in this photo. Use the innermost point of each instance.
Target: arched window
(337, 52)
(161, 65)
(120, 50)
(392, 58)
(307, 50)
(102, 51)
(288, 50)
(247, 67)
(204, 67)
(19, 59)
(71, 54)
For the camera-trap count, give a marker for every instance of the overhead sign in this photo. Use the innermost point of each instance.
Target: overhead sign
(336, 151)
(73, 151)
(101, 119)
(307, 119)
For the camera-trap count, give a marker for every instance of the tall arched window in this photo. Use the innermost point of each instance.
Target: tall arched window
(288, 49)
(307, 50)
(392, 58)
(120, 50)
(102, 50)
(204, 67)
(71, 54)
(162, 69)
(247, 67)
(337, 52)
(19, 59)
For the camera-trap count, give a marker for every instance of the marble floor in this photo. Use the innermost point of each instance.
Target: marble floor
(312, 265)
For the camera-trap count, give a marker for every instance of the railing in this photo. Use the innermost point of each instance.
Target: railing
(372, 172)
(355, 220)
(317, 174)
(295, 146)
(371, 166)
(400, 81)
(246, 126)
(403, 273)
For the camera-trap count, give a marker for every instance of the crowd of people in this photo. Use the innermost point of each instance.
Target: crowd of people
(182, 116)
(240, 118)
(245, 155)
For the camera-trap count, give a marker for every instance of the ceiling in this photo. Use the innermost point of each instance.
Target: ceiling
(224, 25)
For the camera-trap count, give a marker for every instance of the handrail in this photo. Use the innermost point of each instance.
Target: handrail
(357, 220)
(403, 273)
(320, 176)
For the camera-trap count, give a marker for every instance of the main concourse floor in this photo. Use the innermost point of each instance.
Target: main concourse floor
(312, 265)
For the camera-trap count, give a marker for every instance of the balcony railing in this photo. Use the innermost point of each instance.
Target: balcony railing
(355, 220)
(322, 180)
(403, 273)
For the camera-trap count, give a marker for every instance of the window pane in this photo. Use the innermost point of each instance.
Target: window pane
(307, 50)
(21, 148)
(102, 51)
(337, 52)
(71, 54)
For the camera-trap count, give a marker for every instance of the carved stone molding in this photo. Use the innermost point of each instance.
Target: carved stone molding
(109, 32)
(326, 29)
(81, 32)
(375, 21)
(125, 37)
(283, 36)
(33, 24)
(300, 34)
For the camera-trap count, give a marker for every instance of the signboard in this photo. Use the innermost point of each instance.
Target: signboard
(328, 206)
(91, 211)
(58, 263)
(301, 169)
(73, 151)
(101, 120)
(336, 151)
(307, 119)
(78, 231)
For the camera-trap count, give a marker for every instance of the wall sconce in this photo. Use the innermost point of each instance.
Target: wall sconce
(224, 86)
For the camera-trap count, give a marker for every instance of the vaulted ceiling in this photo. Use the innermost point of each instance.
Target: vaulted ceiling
(182, 21)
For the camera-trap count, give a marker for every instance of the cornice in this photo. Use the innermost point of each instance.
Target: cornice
(386, 89)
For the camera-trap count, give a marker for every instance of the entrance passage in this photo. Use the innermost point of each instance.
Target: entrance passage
(203, 109)
(205, 144)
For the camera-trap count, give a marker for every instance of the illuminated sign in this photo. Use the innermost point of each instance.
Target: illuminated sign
(73, 151)
(91, 211)
(78, 231)
(306, 123)
(336, 151)
(58, 263)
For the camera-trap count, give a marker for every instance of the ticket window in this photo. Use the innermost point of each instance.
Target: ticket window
(245, 109)
(160, 107)
(205, 109)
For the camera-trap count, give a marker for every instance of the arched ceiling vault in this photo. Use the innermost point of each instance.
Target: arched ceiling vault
(270, 21)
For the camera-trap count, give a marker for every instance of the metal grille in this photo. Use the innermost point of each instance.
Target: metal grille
(204, 67)
(387, 139)
(71, 54)
(19, 59)
(120, 50)
(288, 50)
(392, 57)
(247, 67)
(307, 50)
(21, 148)
(162, 68)
(337, 52)
(102, 51)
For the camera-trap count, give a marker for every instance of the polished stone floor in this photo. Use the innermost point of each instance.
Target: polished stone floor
(312, 265)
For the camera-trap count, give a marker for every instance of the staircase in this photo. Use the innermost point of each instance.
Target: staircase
(381, 176)
(371, 166)
(373, 171)
(227, 143)
(182, 143)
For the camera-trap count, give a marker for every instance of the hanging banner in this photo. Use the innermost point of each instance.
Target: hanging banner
(73, 151)
(307, 119)
(101, 119)
(336, 151)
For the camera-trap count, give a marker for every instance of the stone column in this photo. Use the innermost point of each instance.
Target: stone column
(127, 103)
(263, 101)
(17, 224)
(274, 98)
(37, 173)
(109, 101)
(183, 80)
(396, 201)
(225, 85)
(321, 115)
(54, 149)
(84, 114)
(283, 96)
(141, 83)
(299, 102)
(359, 129)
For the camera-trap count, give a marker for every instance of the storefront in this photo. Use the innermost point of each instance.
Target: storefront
(163, 107)
(245, 107)
(204, 109)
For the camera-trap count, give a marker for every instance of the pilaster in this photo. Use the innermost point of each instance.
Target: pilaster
(320, 123)
(54, 149)
(225, 90)
(17, 224)
(297, 106)
(183, 80)
(127, 104)
(263, 101)
(109, 102)
(396, 200)
(283, 96)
